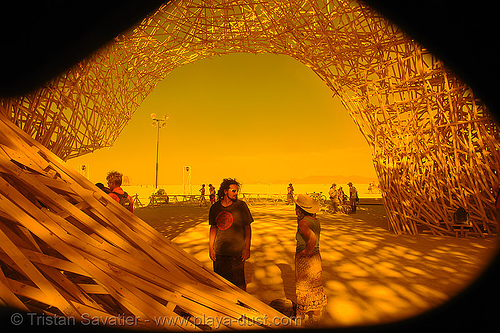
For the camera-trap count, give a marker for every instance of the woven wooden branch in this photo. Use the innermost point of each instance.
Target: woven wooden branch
(67, 249)
(434, 144)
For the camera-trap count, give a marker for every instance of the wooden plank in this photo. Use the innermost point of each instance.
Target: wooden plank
(63, 265)
(29, 237)
(93, 314)
(128, 260)
(26, 290)
(52, 295)
(71, 291)
(19, 157)
(69, 252)
(8, 296)
(92, 288)
(20, 242)
(56, 184)
(14, 142)
(117, 223)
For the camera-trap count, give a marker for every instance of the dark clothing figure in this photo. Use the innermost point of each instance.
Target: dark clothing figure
(230, 222)
(353, 197)
(230, 234)
(232, 268)
(289, 195)
(202, 196)
(103, 188)
(212, 194)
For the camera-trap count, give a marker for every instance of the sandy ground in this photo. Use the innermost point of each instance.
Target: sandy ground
(370, 275)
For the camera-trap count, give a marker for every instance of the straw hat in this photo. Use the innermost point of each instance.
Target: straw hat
(306, 203)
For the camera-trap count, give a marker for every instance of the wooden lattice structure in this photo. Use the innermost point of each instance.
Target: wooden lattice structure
(68, 249)
(433, 142)
(64, 245)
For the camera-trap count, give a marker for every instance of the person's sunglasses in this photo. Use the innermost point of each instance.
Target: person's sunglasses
(233, 190)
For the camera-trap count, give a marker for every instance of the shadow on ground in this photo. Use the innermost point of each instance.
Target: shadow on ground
(370, 275)
(171, 220)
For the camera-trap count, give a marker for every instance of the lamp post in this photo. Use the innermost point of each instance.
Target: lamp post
(162, 122)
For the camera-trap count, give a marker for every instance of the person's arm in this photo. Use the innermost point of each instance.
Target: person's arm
(211, 251)
(305, 230)
(248, 240)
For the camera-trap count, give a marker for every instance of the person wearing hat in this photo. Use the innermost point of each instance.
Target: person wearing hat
(311, 298)
(334, 197)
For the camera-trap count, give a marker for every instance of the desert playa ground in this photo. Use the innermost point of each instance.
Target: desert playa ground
(370, 275)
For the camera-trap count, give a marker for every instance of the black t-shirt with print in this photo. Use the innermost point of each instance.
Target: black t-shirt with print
(230, 222)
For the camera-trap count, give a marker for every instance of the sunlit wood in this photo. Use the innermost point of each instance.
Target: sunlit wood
(434, 146)
(68, 249)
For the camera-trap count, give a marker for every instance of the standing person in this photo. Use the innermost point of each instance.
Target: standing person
(311, 298)
(289, 195)
(114, 179)
(211, 188)
(370, 188)
(202, 195)
(353, 197)
(230, 233)
(334, 197)
(342, 196)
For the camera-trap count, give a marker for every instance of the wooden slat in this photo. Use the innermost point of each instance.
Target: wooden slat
(8, 296)
(30, 270)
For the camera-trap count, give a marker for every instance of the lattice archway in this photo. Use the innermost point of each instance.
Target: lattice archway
(433, 142)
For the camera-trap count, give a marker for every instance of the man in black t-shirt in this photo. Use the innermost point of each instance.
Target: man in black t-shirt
(230, 233)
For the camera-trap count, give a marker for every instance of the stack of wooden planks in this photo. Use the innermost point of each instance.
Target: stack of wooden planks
(67, 249)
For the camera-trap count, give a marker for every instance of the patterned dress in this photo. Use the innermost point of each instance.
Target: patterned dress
(308, 274)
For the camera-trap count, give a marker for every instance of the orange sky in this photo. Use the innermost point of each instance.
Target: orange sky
(258, 118)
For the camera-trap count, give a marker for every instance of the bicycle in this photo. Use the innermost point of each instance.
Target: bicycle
(318, 196)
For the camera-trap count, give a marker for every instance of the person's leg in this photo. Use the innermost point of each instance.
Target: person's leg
(232, 268)
(221, 266)
(238, 272)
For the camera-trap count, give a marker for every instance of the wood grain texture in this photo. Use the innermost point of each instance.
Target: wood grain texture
(68, 249)
(435, 148)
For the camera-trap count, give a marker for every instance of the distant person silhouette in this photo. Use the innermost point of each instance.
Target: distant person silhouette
(211, 189)
(202, 195)
(334, 197)
(289, 195)
(353, 197)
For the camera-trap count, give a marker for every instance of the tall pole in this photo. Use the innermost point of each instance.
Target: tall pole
(162, 122)
(157, 148)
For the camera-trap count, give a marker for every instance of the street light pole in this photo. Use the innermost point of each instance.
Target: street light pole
(162, 122)
(157, 149)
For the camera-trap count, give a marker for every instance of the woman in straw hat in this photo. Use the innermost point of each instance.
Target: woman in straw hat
(311, 298)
